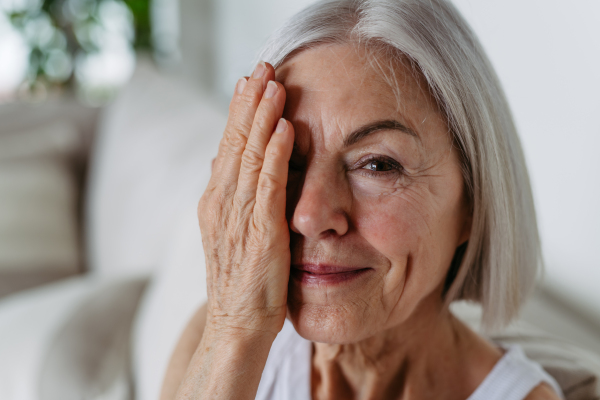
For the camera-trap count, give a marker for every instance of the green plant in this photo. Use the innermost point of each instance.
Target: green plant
(64, 35)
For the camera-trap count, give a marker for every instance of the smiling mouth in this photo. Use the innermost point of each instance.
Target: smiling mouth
(318, 275)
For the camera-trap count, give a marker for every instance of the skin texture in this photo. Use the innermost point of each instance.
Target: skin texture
(390, 203)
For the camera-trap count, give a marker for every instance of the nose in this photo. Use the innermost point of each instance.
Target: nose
(321, 208)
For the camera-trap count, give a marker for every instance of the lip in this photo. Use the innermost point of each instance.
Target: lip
(320, 274)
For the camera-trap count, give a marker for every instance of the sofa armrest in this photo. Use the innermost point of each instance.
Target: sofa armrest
(68, 340)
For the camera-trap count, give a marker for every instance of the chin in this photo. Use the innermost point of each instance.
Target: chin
(328, 324)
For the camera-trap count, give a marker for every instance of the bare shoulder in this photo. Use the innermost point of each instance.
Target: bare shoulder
(198, 321)
(542, 392)
(184, 351)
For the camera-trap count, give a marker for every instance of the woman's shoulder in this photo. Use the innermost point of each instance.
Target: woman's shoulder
(515, 376)
(542, 392)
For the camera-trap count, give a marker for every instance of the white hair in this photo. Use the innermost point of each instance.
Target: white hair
(503, 255)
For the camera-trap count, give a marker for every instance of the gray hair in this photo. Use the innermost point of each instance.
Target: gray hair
(503, 255)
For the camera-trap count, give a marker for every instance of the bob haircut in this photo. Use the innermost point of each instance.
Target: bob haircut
(501, 261)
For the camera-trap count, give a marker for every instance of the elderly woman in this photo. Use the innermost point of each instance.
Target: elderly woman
(337, 236)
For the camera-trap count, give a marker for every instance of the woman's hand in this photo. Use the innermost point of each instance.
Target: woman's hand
(246, 244)
(242, 213)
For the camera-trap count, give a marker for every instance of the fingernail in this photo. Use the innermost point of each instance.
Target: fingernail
(281, 126)
(271, 90)
(260, 70)
(241, 85)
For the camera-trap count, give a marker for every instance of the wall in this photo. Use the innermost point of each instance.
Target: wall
(243, 26)
(547, 54)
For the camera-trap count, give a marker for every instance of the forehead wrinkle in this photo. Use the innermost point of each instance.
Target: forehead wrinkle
(329, 134)
(365, 70)
(340, 94)
(321, 135)
(364, 73)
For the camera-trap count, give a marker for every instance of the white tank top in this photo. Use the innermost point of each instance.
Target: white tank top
(287, 372)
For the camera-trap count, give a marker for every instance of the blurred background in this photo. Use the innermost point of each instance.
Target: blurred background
(110, 111)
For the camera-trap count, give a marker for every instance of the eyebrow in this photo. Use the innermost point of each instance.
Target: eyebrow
(377, 126)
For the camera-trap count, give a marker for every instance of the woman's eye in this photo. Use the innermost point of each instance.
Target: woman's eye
(377, 165)
(381, 164)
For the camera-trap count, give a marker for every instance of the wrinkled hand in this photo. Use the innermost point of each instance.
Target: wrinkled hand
(242, 212)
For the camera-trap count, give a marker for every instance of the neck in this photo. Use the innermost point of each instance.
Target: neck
(433, 355)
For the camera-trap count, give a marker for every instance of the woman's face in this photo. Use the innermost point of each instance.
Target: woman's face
(376, 202)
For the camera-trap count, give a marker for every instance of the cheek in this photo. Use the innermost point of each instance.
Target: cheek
(394, 220)
(405, 227)
(393, 227)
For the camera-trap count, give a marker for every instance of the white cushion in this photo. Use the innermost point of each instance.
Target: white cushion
(38, 205)
(28, 323)
(145, 161)
(175, 293)
(68, 340)
(88, 357)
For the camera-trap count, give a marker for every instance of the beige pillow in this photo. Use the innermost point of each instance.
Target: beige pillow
(38, 215)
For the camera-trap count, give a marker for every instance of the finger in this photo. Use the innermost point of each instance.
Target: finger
(272, 182)
(267, 115)
(242, 110)
(218, 162)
